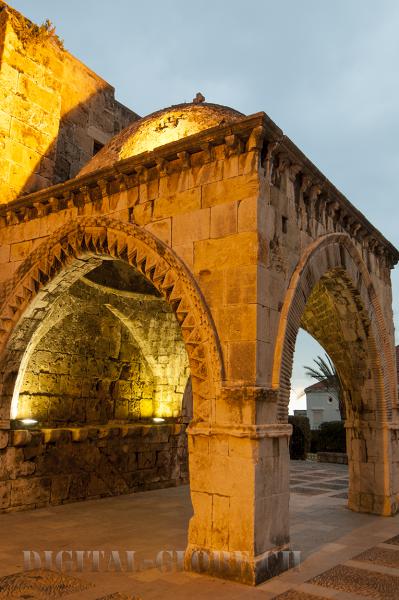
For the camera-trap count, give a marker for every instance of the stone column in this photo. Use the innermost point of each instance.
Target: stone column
(240, 491)
(372, 460)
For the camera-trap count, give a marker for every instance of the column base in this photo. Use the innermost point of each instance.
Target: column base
(240, 566)
(386, 506)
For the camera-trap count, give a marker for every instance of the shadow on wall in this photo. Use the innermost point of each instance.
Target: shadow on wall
(78, 139)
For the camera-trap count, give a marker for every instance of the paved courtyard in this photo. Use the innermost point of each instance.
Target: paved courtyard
(343, 555)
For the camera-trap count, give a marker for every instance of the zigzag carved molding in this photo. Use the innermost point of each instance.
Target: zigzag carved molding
(140, 249)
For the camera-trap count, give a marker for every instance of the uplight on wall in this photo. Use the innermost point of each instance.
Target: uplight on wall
(158, 419)
(26, 422)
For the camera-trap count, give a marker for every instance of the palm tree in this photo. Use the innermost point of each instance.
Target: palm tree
(326, 373)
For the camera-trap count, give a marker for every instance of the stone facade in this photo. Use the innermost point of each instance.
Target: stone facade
(246, 241)
(54, 112)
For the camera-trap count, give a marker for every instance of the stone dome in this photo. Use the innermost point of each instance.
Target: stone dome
(159, 128)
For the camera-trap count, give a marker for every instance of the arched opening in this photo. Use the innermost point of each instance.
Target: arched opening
(101, 383)
(109, 350)
(331, 297)
(107, 355)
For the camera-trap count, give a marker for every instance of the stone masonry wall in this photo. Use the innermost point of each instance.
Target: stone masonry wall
(55, 466)
(105, 356)
(54, 111)
(102, 372)
(87, 369)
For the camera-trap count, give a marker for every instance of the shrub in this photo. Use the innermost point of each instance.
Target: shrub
(300, 438)
(315, 440)
(332, 437)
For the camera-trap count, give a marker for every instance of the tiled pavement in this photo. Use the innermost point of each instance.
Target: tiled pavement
(344, 555)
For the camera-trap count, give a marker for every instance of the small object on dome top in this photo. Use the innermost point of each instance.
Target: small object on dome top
(198, 98)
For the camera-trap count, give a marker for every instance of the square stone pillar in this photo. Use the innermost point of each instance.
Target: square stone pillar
(240, 492)
(373, 456)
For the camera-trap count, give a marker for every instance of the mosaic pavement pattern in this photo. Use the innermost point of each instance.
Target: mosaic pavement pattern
(369, 584)
(319, 478)
(368, 581)
(119, 596)
(373, 573)
(296, 595)
(381, 556)
(39, 584)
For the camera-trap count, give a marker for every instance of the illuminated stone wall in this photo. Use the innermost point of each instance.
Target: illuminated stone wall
(87, 369)
(105, 356)
(235, 228)
(53, 109)
(103, 362)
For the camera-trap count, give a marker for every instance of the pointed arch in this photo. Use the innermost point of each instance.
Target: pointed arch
(68, 254)
(335, 254)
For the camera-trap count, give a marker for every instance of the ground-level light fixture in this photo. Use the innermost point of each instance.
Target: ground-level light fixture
(158, 419)
(28, 422)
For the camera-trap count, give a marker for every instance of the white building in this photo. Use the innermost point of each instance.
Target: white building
(321, 405)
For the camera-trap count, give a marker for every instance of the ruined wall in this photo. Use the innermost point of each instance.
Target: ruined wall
(54, 111)
(56, 466)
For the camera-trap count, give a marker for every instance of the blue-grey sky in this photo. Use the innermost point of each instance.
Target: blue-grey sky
(326, 71)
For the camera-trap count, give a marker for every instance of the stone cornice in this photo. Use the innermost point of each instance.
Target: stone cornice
(255, 432)
(253, 133)
(315, 184)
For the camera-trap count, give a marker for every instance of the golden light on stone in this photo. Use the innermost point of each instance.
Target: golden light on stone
(170, 126)
(160, 128)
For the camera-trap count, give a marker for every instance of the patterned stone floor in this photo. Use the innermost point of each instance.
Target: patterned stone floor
(344, 555)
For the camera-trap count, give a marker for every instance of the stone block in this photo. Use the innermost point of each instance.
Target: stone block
(241, 525)
(30, 491)
(4, 439)
(146, 460)
(241, 285)
(231, 190)
(31, 137)
(200, 526)
(59, 489)
(5, 494)
(162, 230)
(242, 361)
(220, 522)
(248, 214)
(20, 250)
(237, 322)
(235, 250)
(181, 202)
(186, 253)
(224, 219)
(189, 227)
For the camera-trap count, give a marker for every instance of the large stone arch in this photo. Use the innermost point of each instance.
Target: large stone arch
(333, 266)
(71, 252)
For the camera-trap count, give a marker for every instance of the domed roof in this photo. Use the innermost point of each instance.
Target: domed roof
(159, 128)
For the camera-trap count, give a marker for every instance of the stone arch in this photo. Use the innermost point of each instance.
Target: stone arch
(70, 253)
(333, 266)
(335, 257)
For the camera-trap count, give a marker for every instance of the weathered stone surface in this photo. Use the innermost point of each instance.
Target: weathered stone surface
(55, 111)
(241, 241)
(28, 492)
